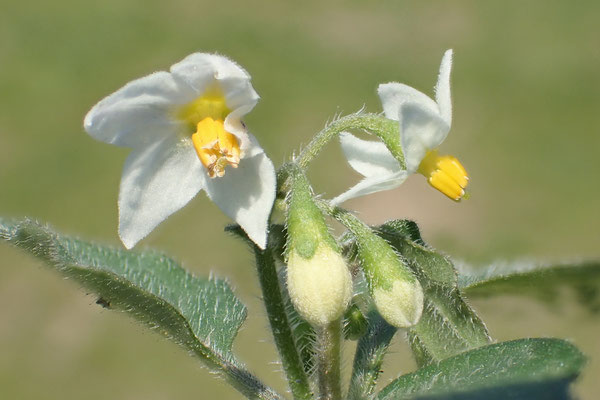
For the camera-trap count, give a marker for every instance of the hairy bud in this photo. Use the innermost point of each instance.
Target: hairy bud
(395, 290)
(318, 279)
(320, 287)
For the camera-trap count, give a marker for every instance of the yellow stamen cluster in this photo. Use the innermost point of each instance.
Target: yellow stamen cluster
(445, 173)
(216, 148)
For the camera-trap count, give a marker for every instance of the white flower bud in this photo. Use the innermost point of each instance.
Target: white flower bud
(402, 305)
(321, 286)
(393, 286)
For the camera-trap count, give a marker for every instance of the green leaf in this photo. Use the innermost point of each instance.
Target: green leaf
(202, 315)
(448, 325)
(538, 281)
(519, 369)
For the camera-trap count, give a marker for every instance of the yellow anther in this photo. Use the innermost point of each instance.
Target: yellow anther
(445, 173)
(215, 147)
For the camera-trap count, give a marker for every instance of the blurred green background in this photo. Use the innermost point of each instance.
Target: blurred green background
(526, 95)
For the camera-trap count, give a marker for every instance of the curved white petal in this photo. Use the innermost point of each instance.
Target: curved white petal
(202, 72)
(372, 184)
(199, 70)
(246, 194)
(139, 113)
(394, 94)
(253, 148)
(442, 88)
(157, 181)
(369, 158)
(421, 130)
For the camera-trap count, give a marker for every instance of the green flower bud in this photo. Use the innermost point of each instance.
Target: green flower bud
(395, 290)
(355, 323)
(318, 280)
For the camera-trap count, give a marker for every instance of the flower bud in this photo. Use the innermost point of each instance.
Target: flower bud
(395, 290)
(355, 323)
(320, 287)
(402, 305)
(318, 280)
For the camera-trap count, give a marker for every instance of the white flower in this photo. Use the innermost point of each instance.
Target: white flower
(424, 124)
(186, 134)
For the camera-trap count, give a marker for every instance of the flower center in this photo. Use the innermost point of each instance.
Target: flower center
(445, 173)
(216, 148)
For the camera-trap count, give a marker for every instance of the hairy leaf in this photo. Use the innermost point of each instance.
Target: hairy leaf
(519, 369)
(541, 282)
(202, 315)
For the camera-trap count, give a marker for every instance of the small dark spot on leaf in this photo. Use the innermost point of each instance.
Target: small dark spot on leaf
(103, 302)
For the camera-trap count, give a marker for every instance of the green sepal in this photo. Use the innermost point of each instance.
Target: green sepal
(305, 223)
(381, 263)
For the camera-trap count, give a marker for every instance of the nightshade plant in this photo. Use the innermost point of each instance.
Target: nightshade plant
(368, 285)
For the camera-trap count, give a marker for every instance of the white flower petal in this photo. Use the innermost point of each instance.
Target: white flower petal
(372, 184)
(139, 113)
(246, 194)
(442, 88)
(253, 147)
(394, 94)
(200, 71)
(197, 71)
(421, 130)
(234, 125)
(369, 158)
(157, 181)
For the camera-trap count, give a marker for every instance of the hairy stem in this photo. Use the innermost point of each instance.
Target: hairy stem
(344, 217)
(280, 324)
(385, 128)
(370, 351)
(328, 361)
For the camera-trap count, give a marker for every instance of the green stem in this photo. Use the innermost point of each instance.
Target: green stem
(280, 324)
(328, 361)
(387, 130)
(377, 124)
(346, 218)
(370, 351)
